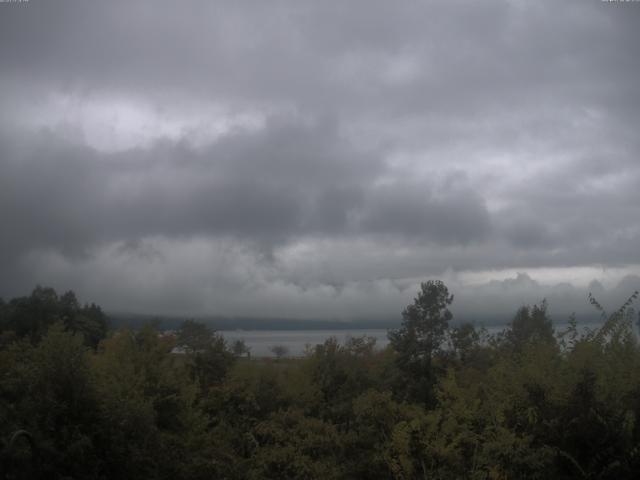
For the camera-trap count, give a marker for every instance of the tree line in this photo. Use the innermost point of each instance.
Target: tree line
(81, 401)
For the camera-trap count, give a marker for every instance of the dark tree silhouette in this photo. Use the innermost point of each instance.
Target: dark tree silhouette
(424, 324)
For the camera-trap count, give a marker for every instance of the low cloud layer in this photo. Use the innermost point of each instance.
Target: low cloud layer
(305, 159)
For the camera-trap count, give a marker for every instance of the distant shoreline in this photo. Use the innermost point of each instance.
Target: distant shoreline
(120, 320)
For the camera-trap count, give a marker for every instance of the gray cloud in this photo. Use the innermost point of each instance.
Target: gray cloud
(497, 300)
(457, 217)
(284, 181)
(313, 152)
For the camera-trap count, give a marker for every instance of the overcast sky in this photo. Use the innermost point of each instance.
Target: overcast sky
(320, 159)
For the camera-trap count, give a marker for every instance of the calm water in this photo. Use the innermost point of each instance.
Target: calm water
(260, 341)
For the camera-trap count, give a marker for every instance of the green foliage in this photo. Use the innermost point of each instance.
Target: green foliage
(424, 323)
(47, 391)
(207, 354)
(292, 446)
(148, 404)
(420, 337)
(530, 324)
(30, 317)
(524, 404)
(194, 336)
(340, 373)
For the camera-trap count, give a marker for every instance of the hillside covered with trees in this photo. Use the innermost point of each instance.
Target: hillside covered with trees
(81, 401)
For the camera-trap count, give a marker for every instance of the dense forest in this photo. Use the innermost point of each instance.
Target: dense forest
(79, 400)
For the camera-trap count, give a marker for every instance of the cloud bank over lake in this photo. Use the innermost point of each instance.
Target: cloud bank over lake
(313, 159)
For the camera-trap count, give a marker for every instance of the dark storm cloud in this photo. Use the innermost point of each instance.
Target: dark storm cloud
(458, 217)
(324, 147)
(462, 57)
(283, 181)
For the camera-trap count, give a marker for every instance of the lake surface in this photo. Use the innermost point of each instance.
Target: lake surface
(260, 341)
(296, 341)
